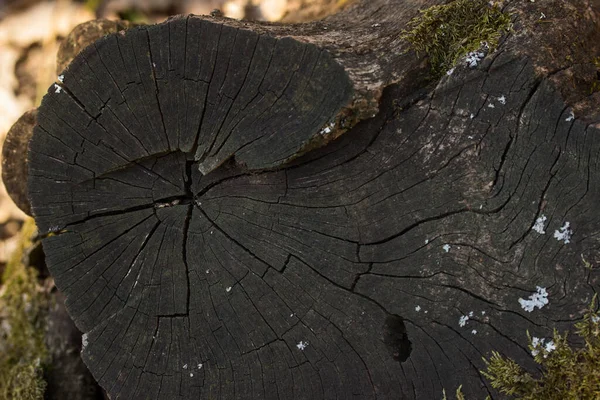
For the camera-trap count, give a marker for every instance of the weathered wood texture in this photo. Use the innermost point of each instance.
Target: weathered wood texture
(342, 274)
(14, 165)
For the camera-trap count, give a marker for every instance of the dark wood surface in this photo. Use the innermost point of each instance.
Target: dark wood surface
(200, 264)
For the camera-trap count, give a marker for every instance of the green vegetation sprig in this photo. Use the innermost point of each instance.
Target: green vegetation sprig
(567, 373)
(447, 33)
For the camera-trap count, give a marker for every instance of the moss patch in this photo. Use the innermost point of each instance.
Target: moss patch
(22, 349)
(567, 373)
(446, 33)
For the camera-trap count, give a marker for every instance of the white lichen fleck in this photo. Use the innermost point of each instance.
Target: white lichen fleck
(539, 224)
(491, 105)
(502, 99)
(571, 117)
(184, 366)
(61, 78)
(57, 88)
(474, 331)
(535, 344)
(84, 340)
(472, 116)
(200, 366)
(473, 58)
(446, 247)
(228, 289)
(302, 345)
(539, 299)
(450, 71)
(483, 313)
(470, 314)
(564, 233)
(191, 374)
(550, 347)
(426, 241)
(418, 308)
(462, 321)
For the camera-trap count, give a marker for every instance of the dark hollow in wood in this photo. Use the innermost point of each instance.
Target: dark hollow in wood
(384, 265)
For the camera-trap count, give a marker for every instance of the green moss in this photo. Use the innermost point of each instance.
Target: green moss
(459, 394)
(446, 33)
(567, 373)
(22, 349)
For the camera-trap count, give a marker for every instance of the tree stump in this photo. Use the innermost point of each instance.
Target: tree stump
(218, 235)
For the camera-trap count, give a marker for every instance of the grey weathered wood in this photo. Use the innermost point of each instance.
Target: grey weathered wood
(199, 259)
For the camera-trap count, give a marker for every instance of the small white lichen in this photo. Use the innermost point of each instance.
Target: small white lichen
(491, 105)
(302, 345)
(538, 345)
(462, 321)
(184, 366)
(502, 99)
(474, 331)
(57, 88)
(191, 374)
(550, 347)
(208, 271)
(446, 247)
(450, 71)
(564, 233)
(472, 116)
(426, 241)
(84, 340)
(571, 117)
(61, 78)
(539, 224)
(375, 25)
(538, 299)
(228, 289)
(473, 58)
(471, 314)
(483, 313)
(535, 344)
(418, 308)
(200, 366)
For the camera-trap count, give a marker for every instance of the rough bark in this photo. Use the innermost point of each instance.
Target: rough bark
(14, 165)
(383, 265)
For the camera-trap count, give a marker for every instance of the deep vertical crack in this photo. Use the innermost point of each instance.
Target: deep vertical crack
(186, 226)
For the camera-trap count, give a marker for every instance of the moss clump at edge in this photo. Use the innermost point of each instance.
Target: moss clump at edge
(567, 372)
(23, 352)
(447, 33)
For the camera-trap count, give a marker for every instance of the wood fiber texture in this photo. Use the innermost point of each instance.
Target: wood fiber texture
(200, 264)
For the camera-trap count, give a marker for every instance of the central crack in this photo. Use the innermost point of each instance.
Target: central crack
(189, 200)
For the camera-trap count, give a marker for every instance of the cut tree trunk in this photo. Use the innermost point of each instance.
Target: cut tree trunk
(216, 236)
